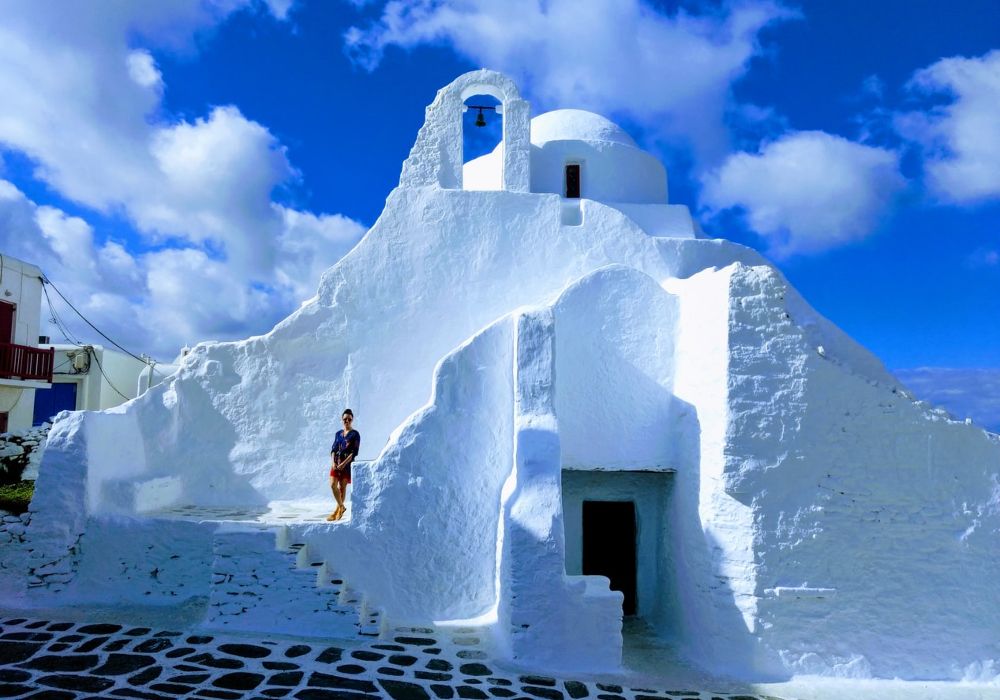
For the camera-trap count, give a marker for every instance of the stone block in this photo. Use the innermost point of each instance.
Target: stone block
(57, 578)
(61, 566)
(231, 609)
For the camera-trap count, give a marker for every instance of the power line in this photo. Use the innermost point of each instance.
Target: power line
(68, 335)
(60, 324)
(93, 353)
(46, 280)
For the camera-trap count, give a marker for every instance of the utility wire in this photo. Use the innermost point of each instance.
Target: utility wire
(93, 353)
(60, 324)
(46, 280)
(64, 329)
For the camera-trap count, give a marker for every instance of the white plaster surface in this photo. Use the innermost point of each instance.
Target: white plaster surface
(613, 169)
(483, 344)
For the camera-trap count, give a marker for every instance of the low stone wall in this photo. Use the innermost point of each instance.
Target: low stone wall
(21, 569)
(21, 453)
(13, 527)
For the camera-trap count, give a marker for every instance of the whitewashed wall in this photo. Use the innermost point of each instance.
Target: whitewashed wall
(800, 471)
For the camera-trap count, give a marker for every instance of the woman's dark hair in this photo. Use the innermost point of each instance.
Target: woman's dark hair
(348, 412)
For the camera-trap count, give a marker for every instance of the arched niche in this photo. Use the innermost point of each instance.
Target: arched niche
(482, 152)
(436, 158)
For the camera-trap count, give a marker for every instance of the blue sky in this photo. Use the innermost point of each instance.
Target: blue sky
(186, 169)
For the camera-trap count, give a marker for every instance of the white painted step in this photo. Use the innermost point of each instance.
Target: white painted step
(257, 587)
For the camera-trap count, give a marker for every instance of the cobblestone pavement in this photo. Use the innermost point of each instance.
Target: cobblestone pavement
(51, 660)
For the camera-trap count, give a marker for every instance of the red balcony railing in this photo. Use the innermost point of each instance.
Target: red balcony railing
(25, 362)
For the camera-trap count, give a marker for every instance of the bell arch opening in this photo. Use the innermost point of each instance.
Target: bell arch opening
(436, 158)
(482, 140)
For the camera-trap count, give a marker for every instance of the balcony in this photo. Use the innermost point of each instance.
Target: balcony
(26, 363)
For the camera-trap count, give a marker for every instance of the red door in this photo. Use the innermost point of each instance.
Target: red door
(6, 322)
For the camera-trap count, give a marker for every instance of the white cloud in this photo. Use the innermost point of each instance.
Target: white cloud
(307, 245)
(84, 105)
(216, 178)
(807, 191)
(63, 246)
(280, 8)
(82, 98)
(142, 69)
(961, 139)
(193, 293)
(983, 257)
(157, 301)
(20, 235)
(966, 393)
(671, 73)
(72, 239)
(77, 97)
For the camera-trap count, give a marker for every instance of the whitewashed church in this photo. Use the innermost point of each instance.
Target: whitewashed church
(574, 408)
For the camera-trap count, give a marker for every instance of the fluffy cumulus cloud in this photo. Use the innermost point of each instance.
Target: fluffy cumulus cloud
(215, 180)
(966, 393)
(218, 257)
(161, 299)
(807, 191)
(104, 279)
(669, 72)
(961, 138)
(78, 98)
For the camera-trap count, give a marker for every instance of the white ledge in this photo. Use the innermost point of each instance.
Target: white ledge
(800, 592)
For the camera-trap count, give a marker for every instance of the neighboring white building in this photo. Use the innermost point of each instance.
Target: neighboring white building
(39, 379)
(24, 368)
(89, 378)
(558, 382)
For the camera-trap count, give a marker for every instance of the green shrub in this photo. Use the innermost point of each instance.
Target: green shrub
(16, 497)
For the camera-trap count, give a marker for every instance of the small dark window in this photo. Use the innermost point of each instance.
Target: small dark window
(573, 181)
(3, 422)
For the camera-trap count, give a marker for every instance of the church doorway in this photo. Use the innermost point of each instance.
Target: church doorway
(617, 524)
(609, 544)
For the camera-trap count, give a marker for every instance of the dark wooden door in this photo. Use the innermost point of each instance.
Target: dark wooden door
(6, 322)
(573, 181)
(609, 545)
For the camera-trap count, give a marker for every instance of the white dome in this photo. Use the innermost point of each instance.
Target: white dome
(577, 125)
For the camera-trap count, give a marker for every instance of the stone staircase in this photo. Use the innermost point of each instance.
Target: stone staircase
(263, 582)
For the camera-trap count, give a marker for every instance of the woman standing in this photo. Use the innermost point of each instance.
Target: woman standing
(345, 448)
